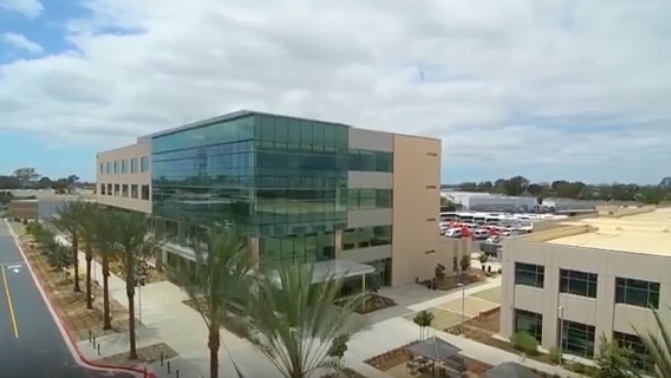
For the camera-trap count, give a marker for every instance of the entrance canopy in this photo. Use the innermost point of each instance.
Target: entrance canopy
(435, 349)
(510, 370)
(338, 269)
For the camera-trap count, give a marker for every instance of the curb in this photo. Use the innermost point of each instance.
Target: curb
(69, 341)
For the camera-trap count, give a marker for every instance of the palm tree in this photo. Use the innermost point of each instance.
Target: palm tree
(67, 219)
(295, 323)
(658, 345)
(218, 283)
(100, 225)
(127, 237)
(87, 232)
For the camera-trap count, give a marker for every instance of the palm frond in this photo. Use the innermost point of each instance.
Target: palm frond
(294, 321)
(658, 344)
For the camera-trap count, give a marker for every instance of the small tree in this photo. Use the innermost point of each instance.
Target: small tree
(465, 263)
(338, 347)
(483, 258)
(525, 343)
(613, 361)
(440, 272)
(423, 319)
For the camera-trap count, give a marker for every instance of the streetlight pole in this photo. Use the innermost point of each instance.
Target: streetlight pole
(560, 342)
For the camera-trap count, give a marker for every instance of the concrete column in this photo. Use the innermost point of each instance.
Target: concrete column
(605, 308)
(338, 244)
(506, 327)
(551, 307)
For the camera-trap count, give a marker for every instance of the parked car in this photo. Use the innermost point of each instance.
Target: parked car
(480, 234)
(454, 233)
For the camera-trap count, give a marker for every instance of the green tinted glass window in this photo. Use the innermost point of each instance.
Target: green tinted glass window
(294, 131)
(267, 128)
(306, 132)
(281, 130)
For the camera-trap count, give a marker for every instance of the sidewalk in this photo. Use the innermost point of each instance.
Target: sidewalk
(166, 319)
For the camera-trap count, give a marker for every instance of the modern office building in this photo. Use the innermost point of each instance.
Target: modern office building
(304, 191)
(569, 285)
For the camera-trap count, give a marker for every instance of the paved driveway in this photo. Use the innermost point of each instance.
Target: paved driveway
(32, 345)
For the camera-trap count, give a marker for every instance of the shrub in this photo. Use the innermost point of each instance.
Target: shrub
(582, 369)
(483, 258)
(525, 342)
(553, 353)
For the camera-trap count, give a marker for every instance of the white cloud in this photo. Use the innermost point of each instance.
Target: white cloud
(20, 41)
(28, 8)
(495, 72)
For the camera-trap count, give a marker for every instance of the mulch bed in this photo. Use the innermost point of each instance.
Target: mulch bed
(148, 354)
(374, 303)
(349, 373)
(80, 322)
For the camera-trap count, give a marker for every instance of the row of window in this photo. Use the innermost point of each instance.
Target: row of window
(579, 339)
(627, 290)
(268, 128)
(133, 191)
(219, 159)
(365, 237)
(124, 166)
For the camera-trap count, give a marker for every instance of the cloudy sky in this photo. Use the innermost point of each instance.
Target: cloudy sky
(543, 88)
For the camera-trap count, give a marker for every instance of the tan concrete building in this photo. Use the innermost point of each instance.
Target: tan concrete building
(305, 190)
(569, 285)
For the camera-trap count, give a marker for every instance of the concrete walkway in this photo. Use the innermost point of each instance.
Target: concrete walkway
(166, 319)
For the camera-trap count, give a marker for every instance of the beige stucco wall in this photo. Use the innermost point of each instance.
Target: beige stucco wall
(416, 208)
(139, 178)
(602, 312)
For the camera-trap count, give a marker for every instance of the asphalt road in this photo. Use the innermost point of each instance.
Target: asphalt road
(31, 344)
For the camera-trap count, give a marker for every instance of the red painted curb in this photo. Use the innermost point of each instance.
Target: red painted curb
(70, 343)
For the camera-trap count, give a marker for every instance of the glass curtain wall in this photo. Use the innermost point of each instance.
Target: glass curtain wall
(300, 187)
(205, 175)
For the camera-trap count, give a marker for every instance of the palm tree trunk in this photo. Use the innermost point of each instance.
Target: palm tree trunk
(130, 293)
(107, 322)
(75, 257)
(89, 257)
(213, 344)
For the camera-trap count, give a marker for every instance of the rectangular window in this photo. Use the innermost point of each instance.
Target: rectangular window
(108, 167)
(145, 192)
(124, 190)
(637, 292)
(577, 338)
(109, 189)
(370, 161)
(100, 169)
(124, 166)
(578, 283)
(116, 167)
(133, 191)
(117, 189)
(529, 275)
(102, 189)
(634, 343)
(144, 164)
(365, 237)
(529, 322)
(133, 165)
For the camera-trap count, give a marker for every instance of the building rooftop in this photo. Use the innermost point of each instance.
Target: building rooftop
(648, 233)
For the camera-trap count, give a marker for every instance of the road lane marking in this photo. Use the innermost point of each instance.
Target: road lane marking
(9, 303)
